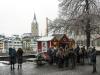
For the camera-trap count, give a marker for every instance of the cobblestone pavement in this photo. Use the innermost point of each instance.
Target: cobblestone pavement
(29, 68)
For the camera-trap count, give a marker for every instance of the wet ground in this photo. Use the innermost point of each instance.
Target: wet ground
(30, 68)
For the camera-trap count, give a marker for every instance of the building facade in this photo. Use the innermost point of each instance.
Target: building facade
(16, 42)
(2, 44)
(7, 42)
(29, 42)
(26, 42)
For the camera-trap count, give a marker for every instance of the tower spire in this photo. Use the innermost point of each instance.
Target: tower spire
(34, 26)
(34, 19)
(34, 16)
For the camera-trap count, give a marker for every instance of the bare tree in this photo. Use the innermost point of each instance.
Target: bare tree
(78, 15)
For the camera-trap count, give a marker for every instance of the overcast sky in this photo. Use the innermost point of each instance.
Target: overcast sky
(16, 15)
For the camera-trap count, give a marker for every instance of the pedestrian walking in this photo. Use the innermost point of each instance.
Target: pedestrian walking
(93, 59)
(20, 57)
(12, 57)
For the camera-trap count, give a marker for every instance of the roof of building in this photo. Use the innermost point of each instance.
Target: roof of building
(26, 35)
(58, 36)
(45, 38)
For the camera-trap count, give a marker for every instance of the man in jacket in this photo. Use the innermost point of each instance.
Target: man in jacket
(12, 57)
(93, 59)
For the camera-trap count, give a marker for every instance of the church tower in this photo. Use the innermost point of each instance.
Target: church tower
(34, 27)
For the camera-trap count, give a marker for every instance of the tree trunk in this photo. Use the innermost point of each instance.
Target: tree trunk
(88, 33)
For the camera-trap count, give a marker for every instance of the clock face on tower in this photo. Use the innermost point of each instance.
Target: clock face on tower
(64, 39)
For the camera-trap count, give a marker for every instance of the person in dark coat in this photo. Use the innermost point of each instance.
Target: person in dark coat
(12, 56)
(72, 58)
(20, 57)
(93, 59)
(50, 54)
(55, 59)
(77, 50)
(66, 57)
(83, 54)
(60, 55)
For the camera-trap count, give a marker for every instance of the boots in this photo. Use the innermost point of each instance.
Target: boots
(19, 66)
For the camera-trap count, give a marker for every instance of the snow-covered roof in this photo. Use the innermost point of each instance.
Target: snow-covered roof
(45, 38)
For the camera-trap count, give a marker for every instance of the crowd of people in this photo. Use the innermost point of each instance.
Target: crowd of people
(63, 57)
(70, 57)
(15, 56)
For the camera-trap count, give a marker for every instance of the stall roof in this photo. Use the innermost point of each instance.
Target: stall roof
(59, 36)
(45, 38)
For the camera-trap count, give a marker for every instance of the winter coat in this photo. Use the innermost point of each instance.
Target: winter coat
(12, 55)
(20, 55)
(93, 56)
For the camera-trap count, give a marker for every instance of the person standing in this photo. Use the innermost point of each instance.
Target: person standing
(60, 55)
(55, 59)
(77, 51)
(93, 59)
(50, 54)
(89, 55)
(20, 57)
(12, 56)
(72, 58)
(83, 54)
(66, 58)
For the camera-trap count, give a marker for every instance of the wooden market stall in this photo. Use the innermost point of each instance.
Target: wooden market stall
(46, 42)
(56, 40)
